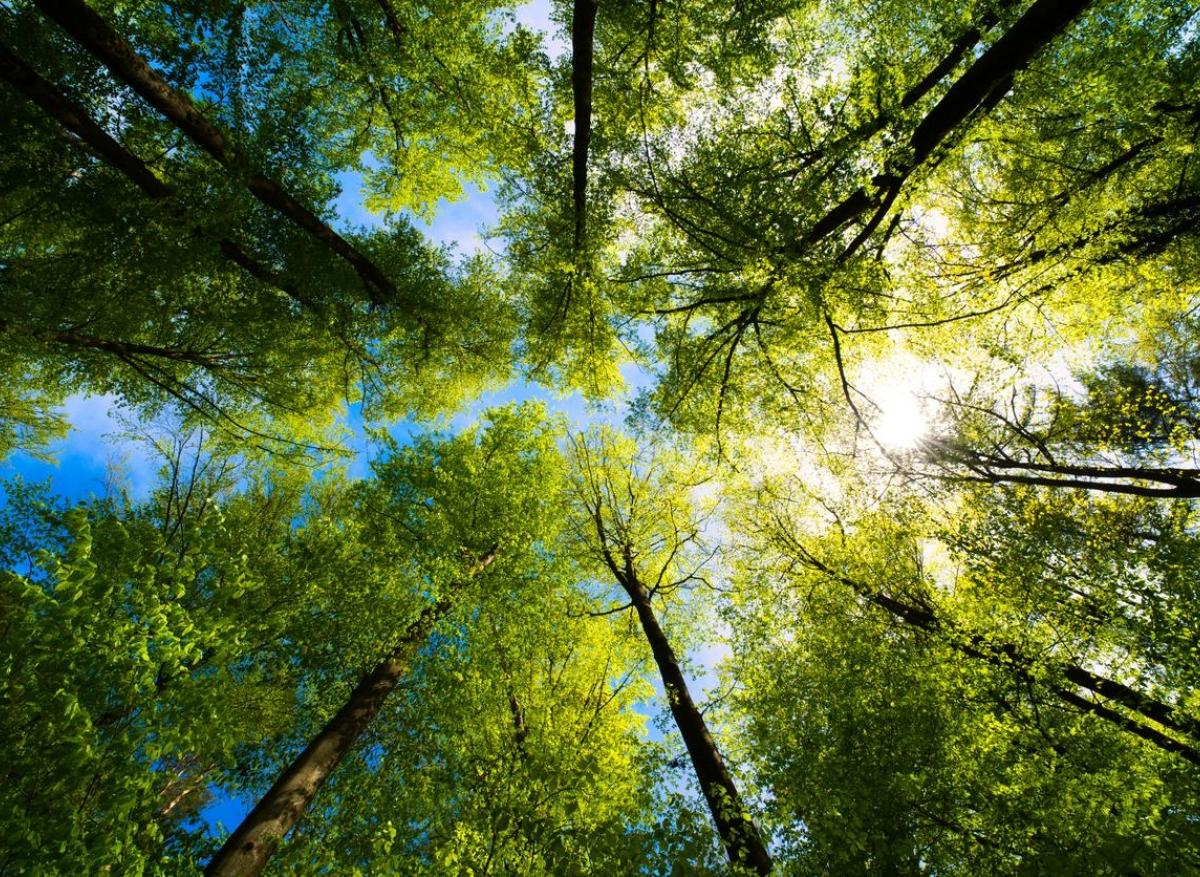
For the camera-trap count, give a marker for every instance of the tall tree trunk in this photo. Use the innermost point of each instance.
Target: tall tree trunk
(992, 73)
(983, 84)
(1009, 658)
(1182, 483)
(247, 851)
(75, 119)
(583, 29)
(99, 38)
(739, 834)
(966, 41)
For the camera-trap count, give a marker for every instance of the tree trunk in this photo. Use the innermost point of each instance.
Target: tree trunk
(583, 29)
(993, 71)
(738, 832)
(1182, 483)
(95, 35)
(248, 849)
(71, 116)
(965, 42)
(982, 85)
(75, 119)
(1009, 658)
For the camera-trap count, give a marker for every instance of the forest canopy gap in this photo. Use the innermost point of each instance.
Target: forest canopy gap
(797, 475)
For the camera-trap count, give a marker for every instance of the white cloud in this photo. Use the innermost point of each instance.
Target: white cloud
(99, 453)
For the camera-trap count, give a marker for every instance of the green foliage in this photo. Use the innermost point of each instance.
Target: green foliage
(890, 750)
(109, 291)
(975, 655)
(129, 631)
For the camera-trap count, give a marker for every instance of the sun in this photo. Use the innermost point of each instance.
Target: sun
(898, 388)
(901, 421)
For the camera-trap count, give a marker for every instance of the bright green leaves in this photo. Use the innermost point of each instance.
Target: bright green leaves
(512, 742)
(1085, 577)
(890, 743)
(643, 506)
(198, 298)
(816, 182)
(510, 739)
(784, 203)
(493, 488)
(122, 638)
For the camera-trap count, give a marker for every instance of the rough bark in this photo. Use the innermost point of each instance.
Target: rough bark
(981, 85)
(1010, 659)
(75, 119)
(993, 71)
(583, 29)
(1181, 483)
(99, 38)
(739, 835)
(247, 851)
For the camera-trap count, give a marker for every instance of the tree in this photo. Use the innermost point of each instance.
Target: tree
(972, 651)
(173, 283)
(893, 743)
(129, 630)
(794, 215)
(460, 523)
(647, 551)
(512, 746)
(1124, 428)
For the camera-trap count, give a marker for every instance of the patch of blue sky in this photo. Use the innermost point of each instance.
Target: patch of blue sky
(536, 16)
(223, 812)
(99, 456)
(461, 223)
(358, 443)
(95, 459)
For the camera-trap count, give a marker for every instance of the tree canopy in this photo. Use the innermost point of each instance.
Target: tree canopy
(873, 550)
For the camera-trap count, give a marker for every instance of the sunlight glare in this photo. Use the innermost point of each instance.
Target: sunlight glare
(902, 421)
(935, 224)
(900, 413)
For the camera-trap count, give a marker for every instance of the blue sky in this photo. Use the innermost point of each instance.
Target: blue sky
(99, 455)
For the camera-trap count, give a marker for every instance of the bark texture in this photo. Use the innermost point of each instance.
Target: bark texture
(739, 835)
(99, 38)
(583, 31)
(247, 851)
